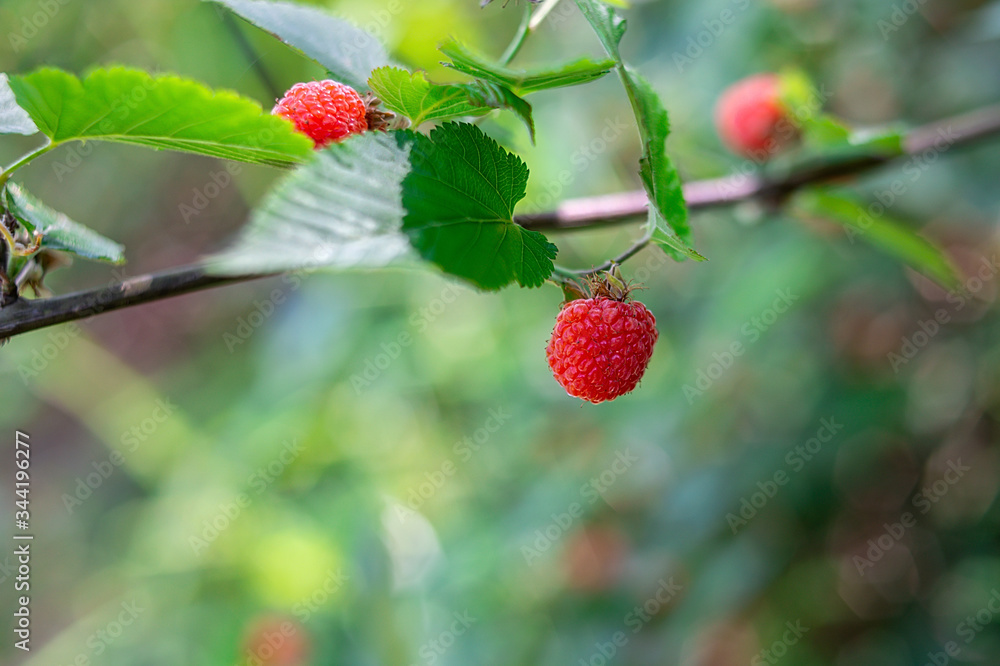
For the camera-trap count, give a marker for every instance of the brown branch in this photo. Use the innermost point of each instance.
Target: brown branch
(626, 206)
(26, 315)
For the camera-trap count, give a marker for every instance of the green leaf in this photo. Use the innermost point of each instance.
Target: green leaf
(668, 213)
(163, 112)
(607, 23)
(495, 96)
(525, 81)
(344, 209)
(881, 231)
(347, 51)
(390, 198)
(13, 119)
(58, 231)
(413, 96)
(826, 136)
(460, 198)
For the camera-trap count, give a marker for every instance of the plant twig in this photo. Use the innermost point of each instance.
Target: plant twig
(28, 315)
(940, 136)
(635, 249)
(523, 30)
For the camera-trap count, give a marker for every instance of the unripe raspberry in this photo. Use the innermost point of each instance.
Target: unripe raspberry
(600, 346)
(752, 119)
(325, 111)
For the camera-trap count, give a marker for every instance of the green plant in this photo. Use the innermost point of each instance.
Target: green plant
(445, 198)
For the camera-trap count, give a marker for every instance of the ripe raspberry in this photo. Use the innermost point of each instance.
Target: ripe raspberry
(752, 119)
(325, 111)
(601, 346)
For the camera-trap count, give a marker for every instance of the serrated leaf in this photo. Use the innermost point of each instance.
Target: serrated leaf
(460, 198)
(668, 213)
(347, 51)
(521, 81)
(387, 198)
(413, 96)
(58, 231)
(341, 210)
(881, 231)
(13, 119)
(163, 112)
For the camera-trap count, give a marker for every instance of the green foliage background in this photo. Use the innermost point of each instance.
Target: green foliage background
(380, 377)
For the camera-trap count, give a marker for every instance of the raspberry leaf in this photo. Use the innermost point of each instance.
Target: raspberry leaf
(391, 198)
(413, 96)
(13, 119)
(342, 210)
(668, 214)
(888, 234)
(347, 51)
(520, 81)
(460, 197)
(162, 112)
(58, 231)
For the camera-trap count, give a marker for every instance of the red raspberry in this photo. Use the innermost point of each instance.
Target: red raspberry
(752, 119)
(325, 111)
(601, 346)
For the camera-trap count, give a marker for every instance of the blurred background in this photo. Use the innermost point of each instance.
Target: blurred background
(378, 468)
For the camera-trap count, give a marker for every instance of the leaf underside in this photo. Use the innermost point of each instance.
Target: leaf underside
(58, 231)
(380, 199)
(345, 50)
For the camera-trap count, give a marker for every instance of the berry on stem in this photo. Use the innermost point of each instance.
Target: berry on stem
(600, 346)
(325, 111)
(752, 118)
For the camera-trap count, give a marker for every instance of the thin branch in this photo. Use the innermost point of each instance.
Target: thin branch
(635, 249)
(523, 30)
(28, 315)
(626, 206)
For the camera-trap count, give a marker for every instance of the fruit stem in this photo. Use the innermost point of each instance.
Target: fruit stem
(636, 248)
